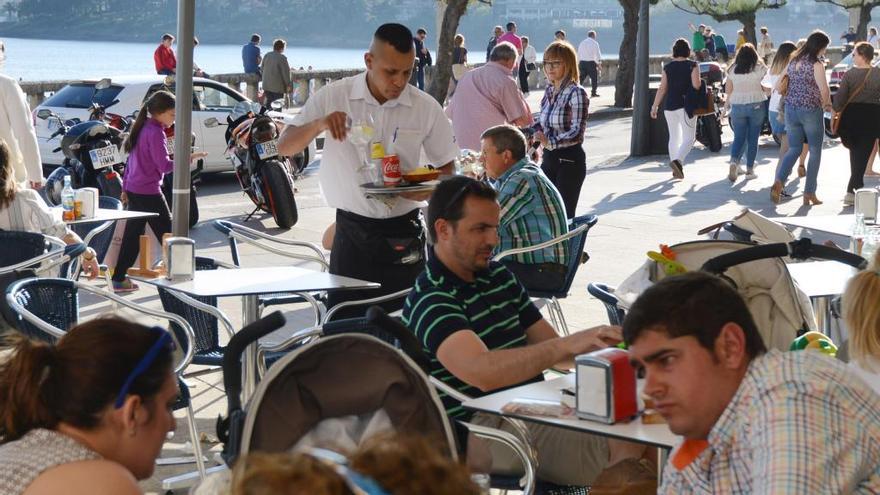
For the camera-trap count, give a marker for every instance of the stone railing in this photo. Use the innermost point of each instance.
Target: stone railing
(308, 82)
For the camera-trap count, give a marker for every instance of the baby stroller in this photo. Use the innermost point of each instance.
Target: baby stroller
(780, 309)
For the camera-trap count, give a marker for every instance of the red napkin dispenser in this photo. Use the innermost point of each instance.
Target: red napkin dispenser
(606, 386)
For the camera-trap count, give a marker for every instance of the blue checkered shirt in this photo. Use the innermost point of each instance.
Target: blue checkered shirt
(532, 212)
(563, 117)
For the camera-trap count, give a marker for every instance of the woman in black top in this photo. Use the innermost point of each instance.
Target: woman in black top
(680, 76)
(459, 63)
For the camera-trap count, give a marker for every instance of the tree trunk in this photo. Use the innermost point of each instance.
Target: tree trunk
(864, 20)
(443, 66)
(748, 22)
(626, 69)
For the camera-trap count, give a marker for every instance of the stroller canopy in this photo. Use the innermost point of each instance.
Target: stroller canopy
(337, 377)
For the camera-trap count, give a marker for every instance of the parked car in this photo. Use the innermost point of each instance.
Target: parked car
(210, 99)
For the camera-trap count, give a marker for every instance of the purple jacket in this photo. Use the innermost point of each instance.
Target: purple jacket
(148, 161)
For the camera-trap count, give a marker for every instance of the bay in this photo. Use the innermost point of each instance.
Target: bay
(43, 60)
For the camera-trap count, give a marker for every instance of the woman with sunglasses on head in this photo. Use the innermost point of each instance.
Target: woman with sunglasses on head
(561, 125)
(87, 415)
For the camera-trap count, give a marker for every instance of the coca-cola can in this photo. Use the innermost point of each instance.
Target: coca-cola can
(391, 170)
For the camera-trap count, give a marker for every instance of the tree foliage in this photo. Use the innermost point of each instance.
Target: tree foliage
(865, 7)
(730, 10)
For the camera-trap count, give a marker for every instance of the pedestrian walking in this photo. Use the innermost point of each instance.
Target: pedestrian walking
(526, 64)
(251, 58)
(765, 45)
(806, 98)
(770, 82)
(497, 32)
(17, 129)
(562, 122)
(680, 77)
(276, 73)
(459, 62)
(740, 39)
(746, 102)
(423, 57)
(590, 61)
(874, 38)
(163, 57)
(147, 164)
(858, 99)
(511, 37)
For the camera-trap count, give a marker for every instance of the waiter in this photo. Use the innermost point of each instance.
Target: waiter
(379, 241)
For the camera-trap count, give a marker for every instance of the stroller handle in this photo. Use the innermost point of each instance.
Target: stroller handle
(237, 344)
(409, 344)
(800, 249)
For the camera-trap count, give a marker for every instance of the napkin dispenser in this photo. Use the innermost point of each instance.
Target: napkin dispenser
(87, 200)
(606, 386)
(181, 258)
(866, 203)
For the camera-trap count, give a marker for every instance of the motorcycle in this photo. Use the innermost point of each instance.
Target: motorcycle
(264, 175)
(194, 178)
(709, 124)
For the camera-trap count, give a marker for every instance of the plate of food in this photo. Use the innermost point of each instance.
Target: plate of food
(421, 174)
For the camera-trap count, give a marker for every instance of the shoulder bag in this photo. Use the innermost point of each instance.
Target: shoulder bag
(837, 116)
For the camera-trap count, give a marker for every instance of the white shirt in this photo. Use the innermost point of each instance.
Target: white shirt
(874, 41)
(589, 51)
(415, 118)
(769, 81)
(17, 129)
(530, 54)
(746, 87)
(29, 213)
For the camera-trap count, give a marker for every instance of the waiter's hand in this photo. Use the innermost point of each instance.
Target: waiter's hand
(335, 123)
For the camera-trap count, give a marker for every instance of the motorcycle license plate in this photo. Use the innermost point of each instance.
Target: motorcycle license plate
(267, 149)
(169, 146)
(105, 157)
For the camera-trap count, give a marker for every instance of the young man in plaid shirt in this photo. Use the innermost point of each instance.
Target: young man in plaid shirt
(753, 420)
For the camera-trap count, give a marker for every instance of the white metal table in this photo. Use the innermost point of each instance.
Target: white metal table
(841, 225)
(106, 215)
(821, 281)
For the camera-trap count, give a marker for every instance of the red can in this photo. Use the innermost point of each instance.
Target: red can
(391, 170)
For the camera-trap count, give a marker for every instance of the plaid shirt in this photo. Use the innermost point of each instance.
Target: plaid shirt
(563, 118)
(532, 212)
(800, 423)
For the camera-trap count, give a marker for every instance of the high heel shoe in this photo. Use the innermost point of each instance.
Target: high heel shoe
(811, 199)
(775, 191)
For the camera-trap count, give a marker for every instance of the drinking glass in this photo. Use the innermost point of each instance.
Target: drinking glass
(361, 131)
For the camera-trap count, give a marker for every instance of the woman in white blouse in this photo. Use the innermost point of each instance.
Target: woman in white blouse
(745, 100)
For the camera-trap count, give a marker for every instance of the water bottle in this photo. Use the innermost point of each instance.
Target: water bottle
(857, 240)
(68, 201)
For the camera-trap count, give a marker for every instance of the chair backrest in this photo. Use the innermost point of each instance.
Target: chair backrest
(225, 227)
(576, 248)
(20, 246)
(205, 326)
(52, 300)
(605, 294)
(738, 233)
(288, 248)
(100, 241)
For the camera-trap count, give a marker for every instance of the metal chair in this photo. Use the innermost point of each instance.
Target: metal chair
(605, 294)
(236, 233)
(48, 307)
(100, 236)
(365, 303)
(22, 250)
(576, 239)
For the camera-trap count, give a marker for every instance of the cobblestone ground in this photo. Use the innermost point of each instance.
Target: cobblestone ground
(638, 203)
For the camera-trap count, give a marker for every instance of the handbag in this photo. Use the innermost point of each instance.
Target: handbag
(704, 103)
(531, 67)
(836, 117)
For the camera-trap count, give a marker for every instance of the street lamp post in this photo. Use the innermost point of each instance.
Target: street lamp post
(183, 91)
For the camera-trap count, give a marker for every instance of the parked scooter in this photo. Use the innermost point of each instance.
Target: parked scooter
(709, 125)
(264, 175)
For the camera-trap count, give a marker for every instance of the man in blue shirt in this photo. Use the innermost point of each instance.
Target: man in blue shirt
(250, 56)
(532, 210)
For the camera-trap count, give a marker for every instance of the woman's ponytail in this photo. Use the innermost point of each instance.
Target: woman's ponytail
(136, 128)
(23, 377)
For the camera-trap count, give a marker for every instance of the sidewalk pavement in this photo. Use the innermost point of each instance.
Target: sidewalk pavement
(639, 206)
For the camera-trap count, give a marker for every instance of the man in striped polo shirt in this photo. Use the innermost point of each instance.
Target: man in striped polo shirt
(532, 210)
(483, 334)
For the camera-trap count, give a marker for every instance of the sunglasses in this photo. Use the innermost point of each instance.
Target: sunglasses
(164, 341)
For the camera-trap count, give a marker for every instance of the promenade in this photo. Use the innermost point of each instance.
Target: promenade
(638, 203)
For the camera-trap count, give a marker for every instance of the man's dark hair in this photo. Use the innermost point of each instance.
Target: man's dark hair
(167, 37)
(256, 38)
(396, 35)
(447, 201)
(511, 25)
(695, 304)
(506, 137)
(421, 31)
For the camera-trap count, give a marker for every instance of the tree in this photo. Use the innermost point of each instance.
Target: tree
(865, 7)
(731, 10)
(448, 27)
(626, 62)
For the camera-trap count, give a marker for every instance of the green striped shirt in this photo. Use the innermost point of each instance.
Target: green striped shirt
(532, 212)
(495, 307)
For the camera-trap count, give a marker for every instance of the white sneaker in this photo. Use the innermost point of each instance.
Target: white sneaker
(750, 174)
(849, 199)
(734, 171)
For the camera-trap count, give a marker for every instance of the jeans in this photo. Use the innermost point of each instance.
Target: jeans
(746, 120)
(803, 124)
(682, 132)
(420, 77)
(591, 70)
(777, 126)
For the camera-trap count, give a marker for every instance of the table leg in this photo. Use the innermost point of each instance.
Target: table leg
(822, 309)
(250, 312)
